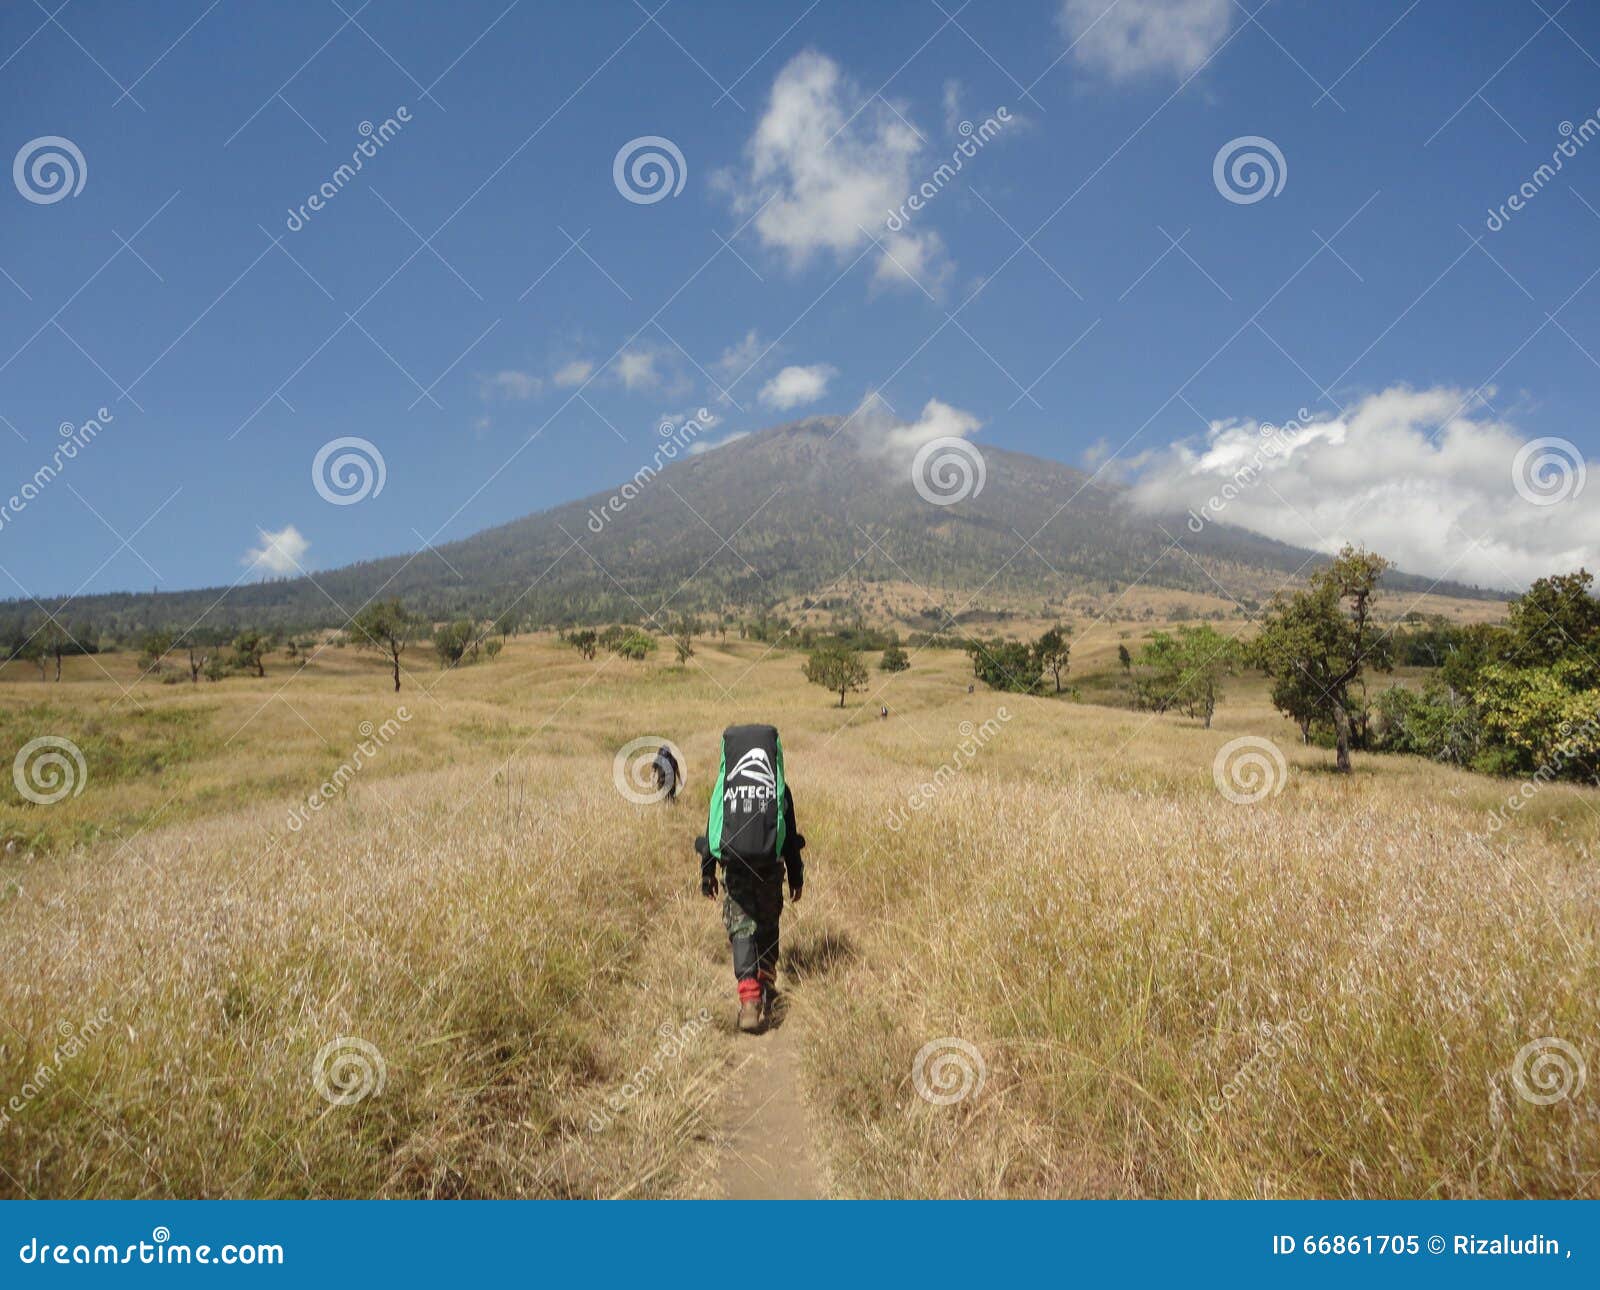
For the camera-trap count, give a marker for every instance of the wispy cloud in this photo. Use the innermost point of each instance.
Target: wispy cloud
(508, 384)
(1127, 39)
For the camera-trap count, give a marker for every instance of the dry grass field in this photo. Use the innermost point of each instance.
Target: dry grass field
(478, 969)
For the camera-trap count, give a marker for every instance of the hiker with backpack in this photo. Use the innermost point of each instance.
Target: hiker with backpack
(751, 834)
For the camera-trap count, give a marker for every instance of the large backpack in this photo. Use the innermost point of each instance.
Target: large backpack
(745, 819)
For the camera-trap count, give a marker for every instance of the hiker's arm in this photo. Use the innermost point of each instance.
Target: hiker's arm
(793, 844)
(708, 867)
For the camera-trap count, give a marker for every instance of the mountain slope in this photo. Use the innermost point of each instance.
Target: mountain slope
(784, 513)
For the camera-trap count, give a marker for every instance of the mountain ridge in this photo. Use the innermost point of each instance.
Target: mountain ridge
(779, 513)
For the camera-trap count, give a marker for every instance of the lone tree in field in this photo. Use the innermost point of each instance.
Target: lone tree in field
(585, 642)
(450, 641)
(894, 660)
(683, 638)
(1185, 670)
(386, 627)
(249, 649)
(836, 667)
(1055, 652)
(1319, 642)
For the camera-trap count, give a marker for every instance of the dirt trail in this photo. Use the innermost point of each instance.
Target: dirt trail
(768, 1153)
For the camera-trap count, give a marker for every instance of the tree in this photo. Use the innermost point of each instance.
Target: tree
(1055, 652)
(1125, 658)
(153, 650)
(56, 641)
(635, 645)
(683, 638)
(200, 646)
(1006, 665)
(1557, 618)
(836, 667)
(492, 648)
(584, 642)
(450, 641)
(386, 627)
(1184, 670)
(1319, 642)
(894, 660)
(250, 648)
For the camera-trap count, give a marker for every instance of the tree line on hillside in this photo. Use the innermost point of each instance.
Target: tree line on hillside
(1522, 698)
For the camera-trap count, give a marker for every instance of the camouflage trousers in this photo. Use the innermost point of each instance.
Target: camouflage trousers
(751, 910)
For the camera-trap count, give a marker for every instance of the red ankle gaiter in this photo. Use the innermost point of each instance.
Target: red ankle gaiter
(749, 990)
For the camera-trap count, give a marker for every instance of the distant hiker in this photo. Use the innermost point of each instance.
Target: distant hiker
(751, 833)
(883, 712)
(668, 774)
(969, 688)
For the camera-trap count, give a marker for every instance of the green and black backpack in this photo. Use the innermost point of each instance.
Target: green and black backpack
(745, 818)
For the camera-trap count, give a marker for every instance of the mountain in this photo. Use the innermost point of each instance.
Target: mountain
(790, 512)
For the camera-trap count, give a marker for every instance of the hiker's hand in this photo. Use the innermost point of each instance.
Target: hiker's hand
(708, 888)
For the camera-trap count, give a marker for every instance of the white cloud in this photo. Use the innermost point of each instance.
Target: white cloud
(636, 369)
(794, 387)
(739, 358)
(879, 432)
(282, 552)
(574, 373)
(707, 445)
(952, 106)
(1126, 39)
(1424, 477)
(509, 384)
(911, 259)
(829, 169)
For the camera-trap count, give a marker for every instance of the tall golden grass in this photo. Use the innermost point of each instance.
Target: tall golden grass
(1168, 994)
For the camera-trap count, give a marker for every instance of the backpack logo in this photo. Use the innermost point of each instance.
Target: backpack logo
(758, 784)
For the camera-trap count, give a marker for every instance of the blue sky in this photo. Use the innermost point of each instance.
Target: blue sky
(483, 303)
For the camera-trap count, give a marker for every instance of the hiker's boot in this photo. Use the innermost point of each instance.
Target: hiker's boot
(750, 1018)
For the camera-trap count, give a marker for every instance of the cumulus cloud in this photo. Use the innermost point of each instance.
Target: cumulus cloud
(282, 552)
(509, 384)
(824, 171)
(740, 357)
(879, 432)
(574, 373)
(1428, 478)
(1126, 39)
(794, 387)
